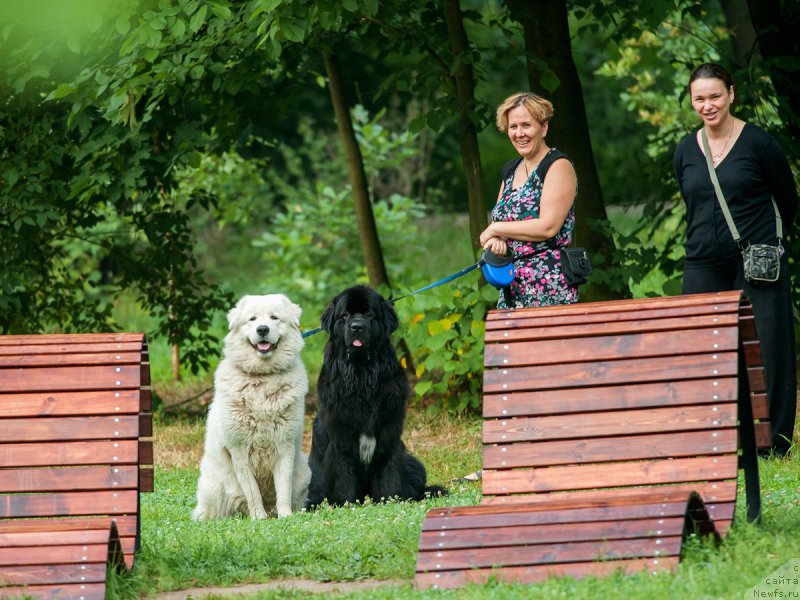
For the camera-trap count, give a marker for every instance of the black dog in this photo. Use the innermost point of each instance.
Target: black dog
(356, 450)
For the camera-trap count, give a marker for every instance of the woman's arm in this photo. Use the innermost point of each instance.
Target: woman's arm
(558, 194)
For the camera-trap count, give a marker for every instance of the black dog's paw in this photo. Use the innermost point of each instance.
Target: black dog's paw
(435, 491)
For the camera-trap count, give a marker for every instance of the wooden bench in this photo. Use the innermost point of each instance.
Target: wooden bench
(73, 412)
(611, 431)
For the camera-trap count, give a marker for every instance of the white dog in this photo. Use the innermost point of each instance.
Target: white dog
(254, 430)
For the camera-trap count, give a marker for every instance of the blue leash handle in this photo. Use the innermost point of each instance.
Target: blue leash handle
(447, 279)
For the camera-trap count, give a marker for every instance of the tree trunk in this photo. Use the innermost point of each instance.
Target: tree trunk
(743, 36)
(467, 132)
(370, 244)
(546, 34)
(777, 25)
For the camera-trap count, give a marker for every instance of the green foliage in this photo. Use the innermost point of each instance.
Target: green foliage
(445, 327)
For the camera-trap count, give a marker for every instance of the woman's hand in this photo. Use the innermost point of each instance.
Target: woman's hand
(497, 246)
(487, 234)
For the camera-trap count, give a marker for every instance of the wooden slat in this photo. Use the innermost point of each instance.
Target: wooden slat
(56, 349)
(712, 492)
(640, 370)
(763, 435)
(653, 472)
(41, 454)
(126, 525)
(550, 534)
(78, 591)
(611, 423)
(533, 574)
(592, 349)
(57, 403)
(69, 428)
(699, 326)
(613, 397)
(606, 449)
(69, 338)
(56, 479)
(32, 379)
(53, 574)
(69, 504)
(146, 480)
(725, 301)
(549, 553)
(26, 539)
(54, 555)
(64, 360)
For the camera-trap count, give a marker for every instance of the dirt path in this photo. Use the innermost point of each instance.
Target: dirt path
(306, 585)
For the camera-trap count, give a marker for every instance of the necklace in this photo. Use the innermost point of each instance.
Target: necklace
(718, 156)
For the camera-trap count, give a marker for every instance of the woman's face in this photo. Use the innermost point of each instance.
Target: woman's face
(525, 132)
(711, 100)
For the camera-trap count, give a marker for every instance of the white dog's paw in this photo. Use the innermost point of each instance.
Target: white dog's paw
(286, 512)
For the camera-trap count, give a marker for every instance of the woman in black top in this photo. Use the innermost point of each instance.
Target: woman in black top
(752, 170)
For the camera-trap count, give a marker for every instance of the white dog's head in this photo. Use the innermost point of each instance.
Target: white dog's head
(264, 333)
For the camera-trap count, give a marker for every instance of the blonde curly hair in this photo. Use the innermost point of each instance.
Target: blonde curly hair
(540, 108)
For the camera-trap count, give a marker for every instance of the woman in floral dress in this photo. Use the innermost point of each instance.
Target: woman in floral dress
(534, 215)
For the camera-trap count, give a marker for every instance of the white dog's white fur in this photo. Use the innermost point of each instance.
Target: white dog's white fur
(252, 460)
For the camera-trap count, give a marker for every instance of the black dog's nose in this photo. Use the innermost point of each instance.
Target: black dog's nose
(262, 330)
(357, 326)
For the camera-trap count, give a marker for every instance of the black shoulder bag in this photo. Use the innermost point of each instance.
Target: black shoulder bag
(762, 262)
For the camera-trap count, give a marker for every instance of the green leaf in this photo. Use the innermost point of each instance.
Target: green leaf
(178, 28)
(423, 387)
(11, 177)
(198, 19)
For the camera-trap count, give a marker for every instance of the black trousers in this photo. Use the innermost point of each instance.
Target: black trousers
(774, 316)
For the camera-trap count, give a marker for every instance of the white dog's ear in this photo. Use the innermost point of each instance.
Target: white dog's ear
(235, 314)
(295, 312)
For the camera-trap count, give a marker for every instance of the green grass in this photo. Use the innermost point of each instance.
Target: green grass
(379, 541)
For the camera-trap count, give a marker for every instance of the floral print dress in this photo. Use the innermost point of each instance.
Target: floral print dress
(538, 280)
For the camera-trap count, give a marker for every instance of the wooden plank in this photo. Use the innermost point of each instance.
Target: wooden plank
(32, 379)
(606, 449)
(757, 380)
(126, 525)
(612, 397)
(533, 554)
(533, 318)
(549, 534)
(72, 479)
(610, 423)
(534, 574)
(146, 480)
(713, 493)
(589, 349)
(70, 504)
(78, 591)
(64, 360)
(42, 454)
(604, 328)
(44, 348)
(54, 555)
(678, 470)
(640, 370)
(60, 404)
(70, 537)
(555, 511)
(52, 574)
(763, 435)
(725, 301)
(760, 407)
(69, 428)
(145, 425)
(70, 338)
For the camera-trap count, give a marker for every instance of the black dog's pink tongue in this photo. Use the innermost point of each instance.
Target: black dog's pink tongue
(264, 346)
(357, 343)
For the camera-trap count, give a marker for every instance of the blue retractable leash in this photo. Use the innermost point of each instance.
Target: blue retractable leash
(498, 271)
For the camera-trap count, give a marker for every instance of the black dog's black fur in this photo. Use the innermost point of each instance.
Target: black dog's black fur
(361, 393)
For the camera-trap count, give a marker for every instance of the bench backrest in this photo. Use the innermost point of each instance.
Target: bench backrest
(617, 395)
(73, 412)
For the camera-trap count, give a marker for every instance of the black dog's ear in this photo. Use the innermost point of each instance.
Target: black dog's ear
(389, 316)
(328, 317)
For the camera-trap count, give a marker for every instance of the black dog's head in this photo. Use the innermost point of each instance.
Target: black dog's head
(359, 319)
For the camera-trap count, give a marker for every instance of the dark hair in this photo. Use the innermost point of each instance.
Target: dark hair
(712, 71)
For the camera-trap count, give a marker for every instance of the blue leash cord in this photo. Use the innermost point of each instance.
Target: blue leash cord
(447, 279)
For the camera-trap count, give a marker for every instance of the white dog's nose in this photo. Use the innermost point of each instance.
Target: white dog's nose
(262, 330)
